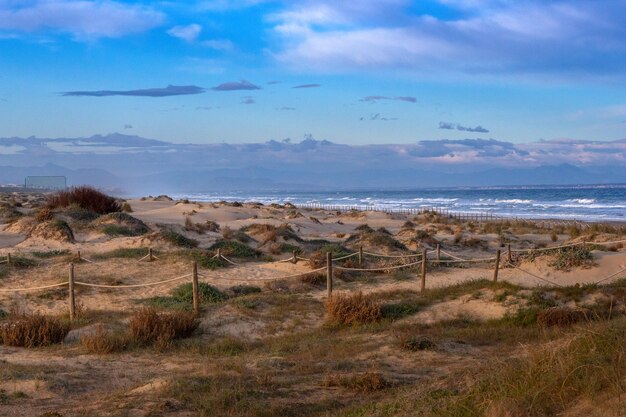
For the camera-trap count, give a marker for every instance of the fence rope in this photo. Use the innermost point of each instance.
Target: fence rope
(534, 275)
(34, 288)
(86, 260)
(300, 258)
(150, 284)
(6, 261)
(346, 256)
(461, 261)
(610, 276)
(227, 260)
(381, 255)
(568, 246)
(301, 274)
(378, 269)
(452, 256)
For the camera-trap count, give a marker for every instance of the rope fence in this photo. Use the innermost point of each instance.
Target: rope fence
(422, 260)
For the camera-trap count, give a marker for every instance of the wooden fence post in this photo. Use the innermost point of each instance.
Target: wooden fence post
(71, 292)
(78, 257)
(360, 256)
(509, 255)
(423, 275)
(194, 286)
(497, 266)
(329, 273)
(295, 257)
(219, 254)
(150, 256)
(438, 252)
(9, 259)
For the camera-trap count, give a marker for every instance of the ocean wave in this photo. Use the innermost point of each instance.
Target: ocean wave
(515, 201)
(582, 200)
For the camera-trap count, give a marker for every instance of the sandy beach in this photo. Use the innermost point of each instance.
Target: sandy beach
(287, 300)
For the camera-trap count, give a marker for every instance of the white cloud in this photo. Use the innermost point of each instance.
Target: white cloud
(491, 36)
(188, 33)
(84, 19)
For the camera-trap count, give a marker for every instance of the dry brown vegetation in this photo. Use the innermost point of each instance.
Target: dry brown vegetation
(87, 198)
(378, 347)
(32, 330)
(150, 326)
(350, 309)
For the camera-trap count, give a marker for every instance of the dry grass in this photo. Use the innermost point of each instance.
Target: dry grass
(364, 382)
(351, 309)
(104, 341)
(560, 316)
(85, 197)
(149, 326)
(32, 330)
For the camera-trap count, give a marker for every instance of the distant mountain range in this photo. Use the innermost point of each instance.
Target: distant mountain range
(138, 166)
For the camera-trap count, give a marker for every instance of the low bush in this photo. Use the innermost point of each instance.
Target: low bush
(23, 262)
(365, 382)
(177, 239)
(235, 249)
(351, 309)
(149, 326)
(204, 259)
(571, 257)
(182, 297)
(50, 253)
(44, 214)
(85, 197)
(104, 341)
(130, 253)
(560, 316)
(207, 293)
(238, 290)
(32, 330)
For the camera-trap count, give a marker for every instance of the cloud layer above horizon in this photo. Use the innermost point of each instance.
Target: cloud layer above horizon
(524, 71)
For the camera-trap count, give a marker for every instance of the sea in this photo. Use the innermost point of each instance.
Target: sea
(594, 203)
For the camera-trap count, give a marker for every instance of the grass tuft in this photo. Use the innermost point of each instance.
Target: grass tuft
(85, 197)
(149, 326)
(32, 330)
(351, 309)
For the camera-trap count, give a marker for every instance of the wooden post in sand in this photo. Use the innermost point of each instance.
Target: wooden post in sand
(150, 255)
(71, 292)
(194, 286)
(509, 255)
(438, 252)
(360, 256)
(219, 254)
(295, 257)
(9, 259)
(497, 266)
(423, 275)
(329, 273)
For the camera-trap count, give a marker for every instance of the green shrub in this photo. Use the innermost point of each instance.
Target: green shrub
(23, 262)
(571, 257)
(182, 297)
(50, 253)
(238, 290)
(177, 239)
(130, 253)
(116, 230)
(204, 258)
(235, 249)
(207, 293)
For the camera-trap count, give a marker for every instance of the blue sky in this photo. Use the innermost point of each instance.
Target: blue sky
(394, 71)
